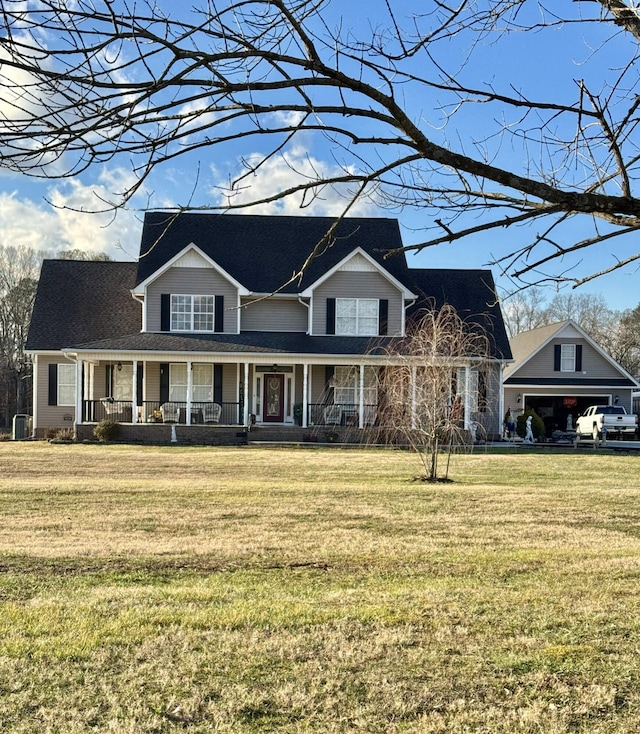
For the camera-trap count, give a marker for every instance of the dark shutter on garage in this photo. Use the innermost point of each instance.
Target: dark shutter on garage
(557, 352)
(165, 312)
(331, 316)
(164, 383)
(219, 315)
(53, 384)
(217, 384)
(383, 316)
(578, 357)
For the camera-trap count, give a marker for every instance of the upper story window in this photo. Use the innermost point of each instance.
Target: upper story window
(567, 358)
(357, 316)
(192, 313)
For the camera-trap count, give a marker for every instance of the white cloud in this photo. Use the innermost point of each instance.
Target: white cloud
(283, 172)
(76, 218)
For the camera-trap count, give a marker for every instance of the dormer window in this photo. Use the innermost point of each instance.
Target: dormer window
(192, 313)
(357, 316)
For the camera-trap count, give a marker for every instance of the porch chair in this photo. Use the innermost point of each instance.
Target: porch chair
(170, 412)
(332, 415)
(211, 412)
(110, 406)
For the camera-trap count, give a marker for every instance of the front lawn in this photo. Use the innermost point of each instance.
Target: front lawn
(316, 590)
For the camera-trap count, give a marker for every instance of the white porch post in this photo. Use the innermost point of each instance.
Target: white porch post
(247, 397)
(78, 392)
(134, 392)
(467, 397)
(305, 394)
(36, 394)
(414, 392)
(189, 384)
(361, 400)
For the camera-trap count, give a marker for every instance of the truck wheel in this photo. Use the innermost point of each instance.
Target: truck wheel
(596, 433)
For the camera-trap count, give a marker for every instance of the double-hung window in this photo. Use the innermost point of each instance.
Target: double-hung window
(567, 358)
(66, 384)
(357, 316)
(192, 313)
(346, 390)
(201, 383)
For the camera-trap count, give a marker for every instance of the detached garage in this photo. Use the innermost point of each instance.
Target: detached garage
(558, 371)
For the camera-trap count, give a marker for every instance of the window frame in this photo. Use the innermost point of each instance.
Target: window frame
(358, 317)
(567, 357)
(185, 319)
(178, 390)
(62, 386)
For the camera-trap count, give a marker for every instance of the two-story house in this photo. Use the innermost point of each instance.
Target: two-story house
(558, 371)
(235, 320)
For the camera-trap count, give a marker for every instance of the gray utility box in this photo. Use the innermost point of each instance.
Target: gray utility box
(21, 426)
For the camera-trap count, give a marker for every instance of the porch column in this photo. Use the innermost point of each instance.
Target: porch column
(467, 397)
(134, 392)
(189, 385)
(305, 394)
(414, 392)
(245, 409)
(78, 391)
(361, 400)
(36, 394)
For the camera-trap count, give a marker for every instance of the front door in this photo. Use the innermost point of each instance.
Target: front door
(273, 399)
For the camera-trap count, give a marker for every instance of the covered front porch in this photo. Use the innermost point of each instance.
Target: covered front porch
(207, 393)
(199, 391)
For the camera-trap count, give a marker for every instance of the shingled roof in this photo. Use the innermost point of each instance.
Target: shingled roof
(88, 304)
(263, 252)
(80, 300)
(472, 293)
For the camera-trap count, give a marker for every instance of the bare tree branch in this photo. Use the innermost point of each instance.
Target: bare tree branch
(400, 108)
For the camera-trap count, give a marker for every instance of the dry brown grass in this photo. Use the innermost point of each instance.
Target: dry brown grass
(245, 590)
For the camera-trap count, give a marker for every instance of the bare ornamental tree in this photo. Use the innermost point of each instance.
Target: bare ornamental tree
(488, 115)
(436, 374)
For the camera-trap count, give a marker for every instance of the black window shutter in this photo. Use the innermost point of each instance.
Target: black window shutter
(165, 312)
(383, 316)
(329, 372)
(578, 357)
(217, 384)
(53, 384)
(557, 351)
(139, 385)
(108, 381)
(218, 315)
(331, 316)
(164, 383)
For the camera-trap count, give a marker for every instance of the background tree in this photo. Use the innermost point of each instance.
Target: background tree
(19, 274)
(414, 102)
(19, 271)
(422, 401)
(618, 332)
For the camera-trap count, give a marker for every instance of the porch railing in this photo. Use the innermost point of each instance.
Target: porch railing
(153, 411)
(341, 414)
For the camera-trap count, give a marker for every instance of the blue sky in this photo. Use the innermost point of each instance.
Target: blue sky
(43, 213)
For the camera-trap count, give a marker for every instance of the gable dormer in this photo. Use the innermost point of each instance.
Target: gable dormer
(358, 297)
(191, 294)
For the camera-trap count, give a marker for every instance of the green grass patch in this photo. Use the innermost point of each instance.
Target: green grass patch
(256, 590)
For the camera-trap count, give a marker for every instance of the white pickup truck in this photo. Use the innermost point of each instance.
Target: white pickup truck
(612, 418)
